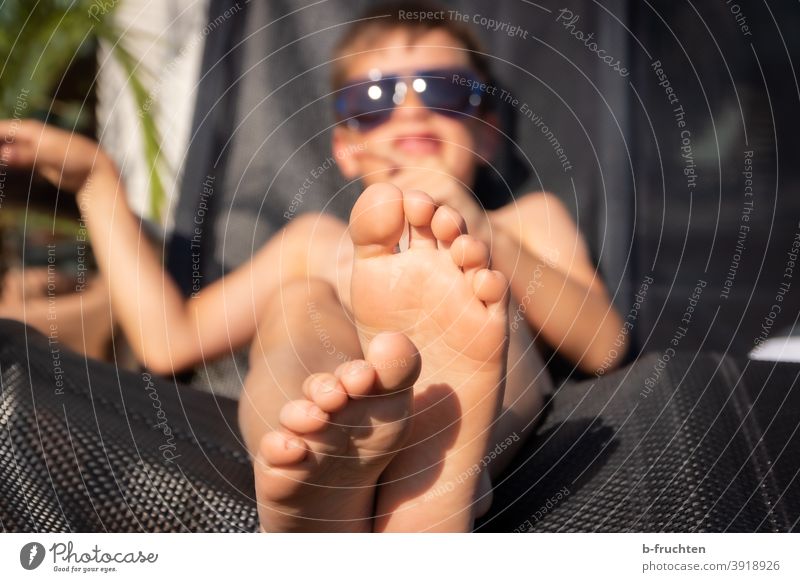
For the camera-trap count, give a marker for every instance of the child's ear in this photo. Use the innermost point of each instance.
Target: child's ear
(488, 138)
(346, 152)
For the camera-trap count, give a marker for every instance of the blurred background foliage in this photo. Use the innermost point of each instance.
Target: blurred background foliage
(39, 42)
(48, 67)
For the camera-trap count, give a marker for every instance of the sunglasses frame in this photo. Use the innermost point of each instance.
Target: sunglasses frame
(475, 99)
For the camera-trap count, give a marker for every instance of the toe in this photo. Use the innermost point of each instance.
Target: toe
(491, 287)
(303, 416)
(419, 209)
(279, 449)
(470, 254)
(396, 361)
(447, 224)
(357, 377)
(377, 221)
(325, 391)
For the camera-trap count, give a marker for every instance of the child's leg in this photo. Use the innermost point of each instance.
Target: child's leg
(318, 471)
(304, 330)
(292, 396)
(307, 387)
(526, 384)
(303, 327)
(442, 295)
(321, 424)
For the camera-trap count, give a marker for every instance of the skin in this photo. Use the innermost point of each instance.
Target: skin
(269, 300)
(535, 234)
(223, 316)
(26, 298)
(572, 310)
(441, 293)
(534, 243)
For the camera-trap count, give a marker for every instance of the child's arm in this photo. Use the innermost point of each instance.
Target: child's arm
(554, 284)
(167, 332)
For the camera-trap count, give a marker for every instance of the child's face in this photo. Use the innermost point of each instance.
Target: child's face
(412, 134)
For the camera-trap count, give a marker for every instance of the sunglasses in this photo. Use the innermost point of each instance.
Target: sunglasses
(367, 103)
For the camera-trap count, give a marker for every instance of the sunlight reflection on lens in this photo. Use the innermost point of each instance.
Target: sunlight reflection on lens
(400, 89)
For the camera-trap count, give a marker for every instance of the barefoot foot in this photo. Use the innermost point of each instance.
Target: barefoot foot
(318, 473)
(441, 294)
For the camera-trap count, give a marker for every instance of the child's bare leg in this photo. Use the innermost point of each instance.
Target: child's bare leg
(440, 293)
(526, 384)
(320, 423)
(318, 472)
(304, 330)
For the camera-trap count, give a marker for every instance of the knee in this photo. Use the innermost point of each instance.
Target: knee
(298, 298)
(307, 291)
(313, 225)
(302, 224)
(292, 314)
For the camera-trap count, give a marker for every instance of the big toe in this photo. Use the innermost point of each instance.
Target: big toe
(377, 220)
(396, 361)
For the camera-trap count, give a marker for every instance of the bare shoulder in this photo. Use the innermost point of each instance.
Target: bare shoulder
(542, 208)
(537, 218)
(543, 225)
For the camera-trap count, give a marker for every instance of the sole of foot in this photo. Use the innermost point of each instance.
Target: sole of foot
(442, 295)
(319, 471)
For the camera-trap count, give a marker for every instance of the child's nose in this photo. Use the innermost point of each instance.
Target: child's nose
(412, 106)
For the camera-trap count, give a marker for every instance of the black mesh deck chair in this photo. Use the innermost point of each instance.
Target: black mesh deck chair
(705, 443)
(710, 445)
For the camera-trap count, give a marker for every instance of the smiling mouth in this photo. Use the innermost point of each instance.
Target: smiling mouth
(418, 144)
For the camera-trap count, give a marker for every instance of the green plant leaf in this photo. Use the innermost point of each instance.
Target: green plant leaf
(38, 41)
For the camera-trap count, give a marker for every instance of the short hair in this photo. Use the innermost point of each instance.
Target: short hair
(377, 22)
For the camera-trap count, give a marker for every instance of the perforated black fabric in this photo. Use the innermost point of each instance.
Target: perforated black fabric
(690, 454)
(712, 447)
(93, 455)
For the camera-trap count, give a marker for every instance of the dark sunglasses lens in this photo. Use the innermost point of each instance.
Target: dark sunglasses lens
(368, 104)
(367, 121)
(446, 97)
